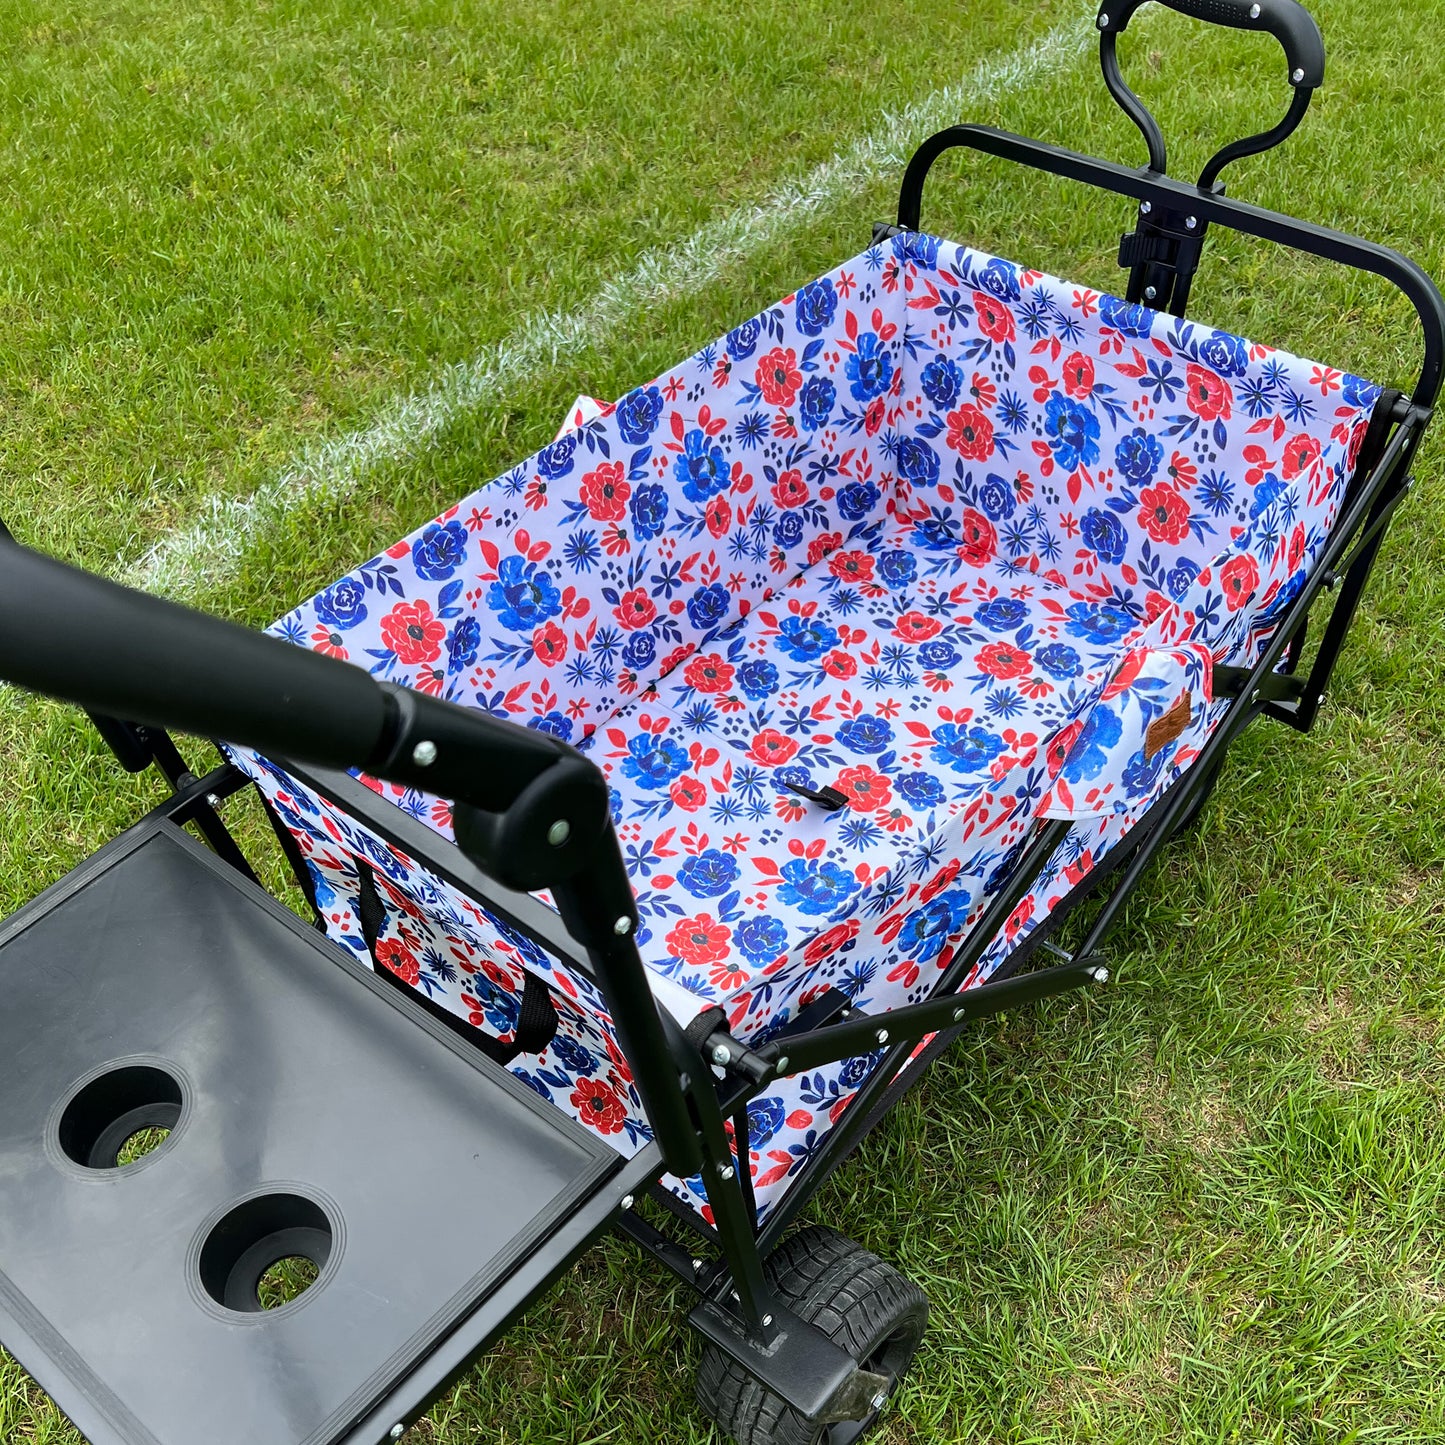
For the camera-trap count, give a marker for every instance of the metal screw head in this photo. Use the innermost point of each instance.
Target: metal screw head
(881, 1036)
(1191, 223)
(696, 1266)
(720, 1054)
(424, 754)
(1256, 695)
(1150, 293)
(397, 1431)
(622, 927)
(1254, 12)
(1099, 974)
(213, 800)
(959, 1015)
(627, 1201)
(1103, 22)
(1145, 207)
(559, 832)
(781, 1067)
(767, 1320)
(726, 1172)
(1297, 76)
(880, 1399)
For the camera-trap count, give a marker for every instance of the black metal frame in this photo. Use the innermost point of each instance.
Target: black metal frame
(515, 788)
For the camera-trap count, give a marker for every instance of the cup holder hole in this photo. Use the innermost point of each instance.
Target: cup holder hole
(120, 1117)
(265, 1253)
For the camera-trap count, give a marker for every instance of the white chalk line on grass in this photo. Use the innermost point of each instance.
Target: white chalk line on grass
(209, 549)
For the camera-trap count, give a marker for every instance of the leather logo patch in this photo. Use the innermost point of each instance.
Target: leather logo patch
(1164, 730)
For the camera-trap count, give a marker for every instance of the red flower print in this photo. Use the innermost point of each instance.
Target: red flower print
(1060, 745)
(1078, 376)
(915, 627)
(980, 541)
(411, 632)
(635, 609)
(549, 642)
(995, 320)
(970, 433)
(1301, 453)
(1296, 546)
(699, 941)
(688, 793)
(1239, 577)
(719, 515)
(597, 1106)
(394, 956)
(827, 944)
(328, 642)
(709, 673)
(772, 748)
(1207, 395)
(1124, 674)
(1003, 660)
(851, 567)
(866, 788)
(790, 490)
(873, 417)
(838, 664)
(778, 376)
(605, 492)
(1184, 472)
(1164, 514)
(821, 545)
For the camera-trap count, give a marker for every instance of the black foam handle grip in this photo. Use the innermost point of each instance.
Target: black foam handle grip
(1287, 20)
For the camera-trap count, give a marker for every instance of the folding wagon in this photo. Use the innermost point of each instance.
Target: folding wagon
(665, 807)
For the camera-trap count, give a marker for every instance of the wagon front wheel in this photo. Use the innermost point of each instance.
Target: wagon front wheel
(866, 1306)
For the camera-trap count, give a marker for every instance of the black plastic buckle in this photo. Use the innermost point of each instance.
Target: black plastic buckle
(829, 799)
(1161, 255)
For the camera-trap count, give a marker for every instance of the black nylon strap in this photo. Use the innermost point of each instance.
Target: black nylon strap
(536, 1014)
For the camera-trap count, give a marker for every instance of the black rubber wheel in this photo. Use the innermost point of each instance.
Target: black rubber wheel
(860, 1303)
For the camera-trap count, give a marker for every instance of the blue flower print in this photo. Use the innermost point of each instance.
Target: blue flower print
(1000, 278)
(523, 595)
(922, 790)
(639, 652)
(758, 679)
(935, 534)
(1003, 614)
(1141, 773)
(805, 639)
(865, 734)
(708, 874)
(1104, 535)
(897, 569)
(1133, 321)
(555, 460)
(765, 1116)
(1138, 456)
(1059, 660)
(762, 939)
(857, 500)
(1181, 577)
(743, 340)
(637, 414)
(917, 462)
(439, 551)
(462, 644)
(1072, 432)
(653, 762)
(701, 467)
(708, 606)
(571, 1055)
(942, 382)
(815, 402)
(927, 929)
(343, 604)
(1359, 392)
(965, 750)
(1102, 729)
(996, 497)
(938, 656)
(1099, 625)
(916, 246)
(815, 306)
(555, 723)
(814, 887)
(1225, 354)
(649, 511)
(870, 368)
(788, 530)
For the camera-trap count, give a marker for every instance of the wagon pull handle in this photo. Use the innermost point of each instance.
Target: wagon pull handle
(1287, 20)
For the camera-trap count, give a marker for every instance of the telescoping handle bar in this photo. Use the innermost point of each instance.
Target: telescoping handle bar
(529, 810)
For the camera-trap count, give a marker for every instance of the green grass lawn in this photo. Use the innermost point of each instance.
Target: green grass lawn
(1205, 1204)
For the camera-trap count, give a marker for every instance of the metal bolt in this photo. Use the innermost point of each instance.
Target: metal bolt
(781, 1067)
(880, 1399)
(1099, 974)
(959, 1014)
(1145, 207)
(696, 1266)
(1191, 222)
(1256, 695)
(881, 1036)
(1321, 702)
(213, 800)
(1297, 76)
(726, 1172)
(1150, 293)
(559, 832)
(397, 1431)
(767, 1320)
(627, 1201)
(720, 1055)
(622, 927)
(1254, 12)
(424, 754)
(1103, 22)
